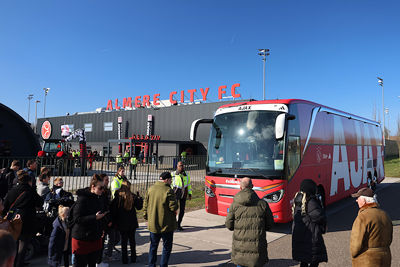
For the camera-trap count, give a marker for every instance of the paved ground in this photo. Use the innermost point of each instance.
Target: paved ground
(206, 241)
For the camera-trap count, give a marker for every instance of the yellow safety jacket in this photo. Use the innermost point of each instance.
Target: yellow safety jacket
(133, 161)
(177, 180)
(116, 184)
(118, 159)
(126, 155)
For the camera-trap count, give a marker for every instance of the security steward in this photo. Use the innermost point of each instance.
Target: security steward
(117, 180)
(182, 189)
(133, 162)
(118, 160)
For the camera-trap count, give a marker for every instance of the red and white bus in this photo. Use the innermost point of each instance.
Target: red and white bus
(278, 143)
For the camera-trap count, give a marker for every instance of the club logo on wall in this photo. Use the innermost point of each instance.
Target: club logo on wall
(46, 130)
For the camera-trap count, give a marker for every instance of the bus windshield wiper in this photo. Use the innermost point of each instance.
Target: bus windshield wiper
(256, 172)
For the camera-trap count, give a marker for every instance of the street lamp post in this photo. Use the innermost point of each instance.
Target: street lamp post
(36, 102)
(29, 105)
(380, 82)
(46, 90)
(388, 120)
(263, 53)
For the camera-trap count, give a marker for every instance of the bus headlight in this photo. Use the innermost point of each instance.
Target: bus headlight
(209, 192)
(274, 197)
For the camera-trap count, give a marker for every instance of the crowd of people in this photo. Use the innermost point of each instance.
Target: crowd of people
(101, 212)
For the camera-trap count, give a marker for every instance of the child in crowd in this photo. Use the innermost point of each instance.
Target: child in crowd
(60, 239)
(123, 212)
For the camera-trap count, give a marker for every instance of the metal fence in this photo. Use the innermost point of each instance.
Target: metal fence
(76, 176)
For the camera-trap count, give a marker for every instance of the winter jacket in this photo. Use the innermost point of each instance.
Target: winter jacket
(57, 243)
(159, 208)
(26, 206)
(125, 220)
(42, 189)
(249, 218)
(307, 243)
(32, 174)
(371, 236)
(85, 227)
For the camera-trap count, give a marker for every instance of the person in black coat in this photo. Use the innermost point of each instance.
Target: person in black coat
(24, 200)
(309, 223)
(60, 240)
(123, 213)
(86, 223)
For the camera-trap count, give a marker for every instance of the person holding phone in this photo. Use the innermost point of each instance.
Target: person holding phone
(86, 221)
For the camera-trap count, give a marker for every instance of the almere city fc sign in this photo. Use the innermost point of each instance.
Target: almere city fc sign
(174, 97)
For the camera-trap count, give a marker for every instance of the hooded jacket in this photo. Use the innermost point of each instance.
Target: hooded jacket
(249, 218)
(85, 226)
(307, 242)
(371, 236)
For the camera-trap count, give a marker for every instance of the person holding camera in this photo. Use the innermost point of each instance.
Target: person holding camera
(23, 200)
(86, 223)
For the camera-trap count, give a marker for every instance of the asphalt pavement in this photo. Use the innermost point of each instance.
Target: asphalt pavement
(206, 242)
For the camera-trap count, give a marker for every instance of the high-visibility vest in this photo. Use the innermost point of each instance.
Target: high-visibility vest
(78, 153)
(133, 161)
(116, 184)
(183, 154)
(126, 155)
(118, 159)
(177, 181)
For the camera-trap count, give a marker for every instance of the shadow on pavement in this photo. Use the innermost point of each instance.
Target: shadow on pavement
(272, 262)
(195, 256)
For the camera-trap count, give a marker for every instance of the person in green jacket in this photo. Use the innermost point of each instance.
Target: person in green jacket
(133, 163)
(159, 211)
(249, 218)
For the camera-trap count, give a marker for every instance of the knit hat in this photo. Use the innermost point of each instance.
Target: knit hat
(308, 186)
(165, 175)
(366, 192)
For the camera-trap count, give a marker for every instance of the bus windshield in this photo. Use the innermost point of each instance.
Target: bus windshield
(243, 144)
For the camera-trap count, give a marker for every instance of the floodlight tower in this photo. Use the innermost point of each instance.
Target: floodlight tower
(263, 52)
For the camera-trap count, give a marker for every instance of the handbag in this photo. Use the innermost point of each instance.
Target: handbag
(13, 211)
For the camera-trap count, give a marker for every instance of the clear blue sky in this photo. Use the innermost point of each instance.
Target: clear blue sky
(87, 52)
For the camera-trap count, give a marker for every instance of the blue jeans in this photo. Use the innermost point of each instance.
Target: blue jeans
(167, 248)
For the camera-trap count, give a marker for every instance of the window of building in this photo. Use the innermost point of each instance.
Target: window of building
(88, 127)
(108, 126)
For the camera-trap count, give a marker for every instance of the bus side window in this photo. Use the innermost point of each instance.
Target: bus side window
(293, 155)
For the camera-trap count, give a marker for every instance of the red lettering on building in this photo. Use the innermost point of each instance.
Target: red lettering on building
(233, 90)
(137, 102)
(146, 101)
(127, 102)
(171, 98)
(191, 92)
(204, 93)
(109, 105)
(116, 104)
(221, 91)
(156, 99)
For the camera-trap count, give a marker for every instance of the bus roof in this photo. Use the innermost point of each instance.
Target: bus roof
(287, 101)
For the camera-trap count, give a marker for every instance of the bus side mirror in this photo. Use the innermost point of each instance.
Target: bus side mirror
(195, 125)
(280, 124)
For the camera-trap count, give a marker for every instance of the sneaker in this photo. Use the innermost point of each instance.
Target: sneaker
(102, 264)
